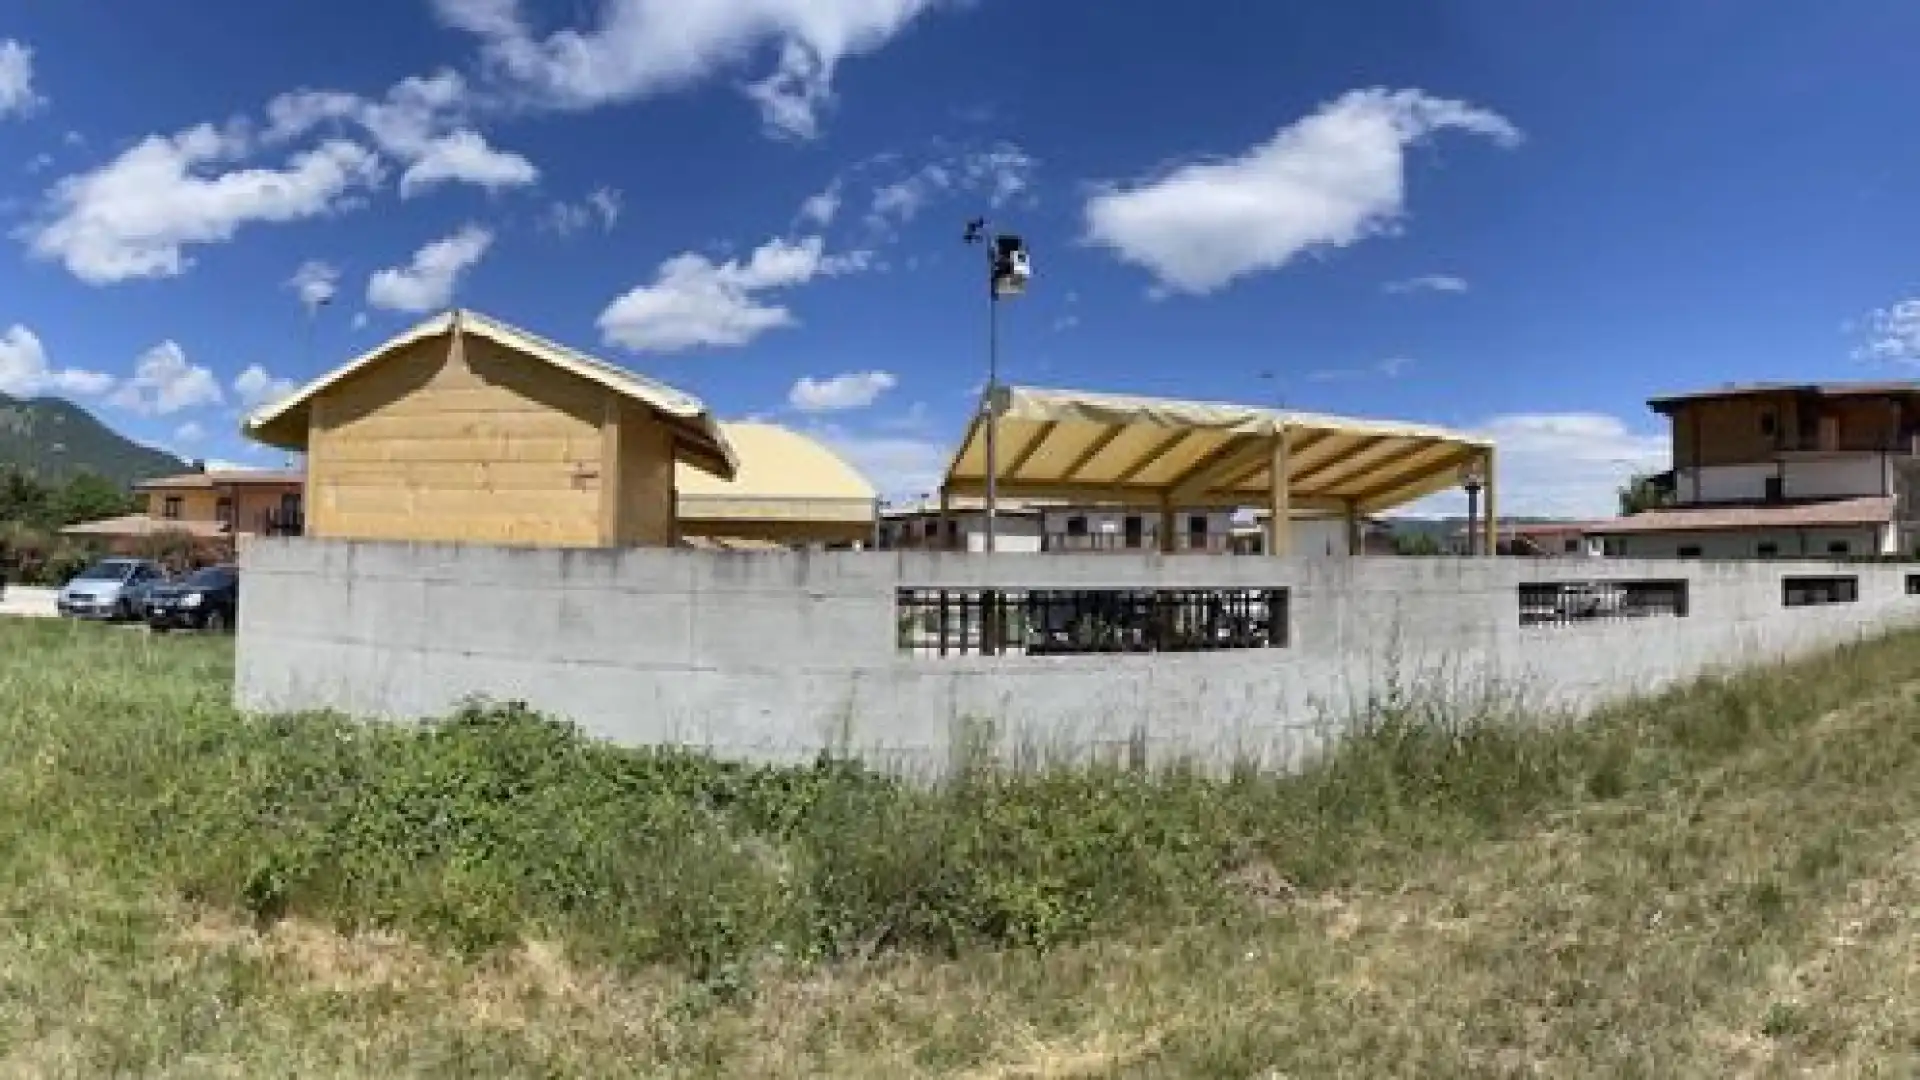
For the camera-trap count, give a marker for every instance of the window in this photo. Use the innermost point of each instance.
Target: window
(171, 508)
(1838, 547)
(1076, 526)
(1135, 529)
(1573, 545)
(223, 511)
(1197, 524)
(1767, 551)
(932, 528)
(1768, 424)
(1775, 489)
(1814, 591)
(1690, 551)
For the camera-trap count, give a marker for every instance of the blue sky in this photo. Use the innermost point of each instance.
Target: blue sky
(1517, 218)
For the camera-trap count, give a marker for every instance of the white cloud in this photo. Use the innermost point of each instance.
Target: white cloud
(189, 433)
(1893, 334)
(642, 48)
(1390, 368)
(17, 96)
(465, 156)
(428, 281)
(134, 216)
(38, 163)
(1440, 283)
(838, 393)
(1331, 179)
(900, 466)
(315, 282)
(25, 370)
(601, 206)
(1566, 465)
(820, 209)
(165, 382)
(256, 389)
(997, 174)
(694, 301)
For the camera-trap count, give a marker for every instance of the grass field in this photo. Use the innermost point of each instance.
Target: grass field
(1724, 882)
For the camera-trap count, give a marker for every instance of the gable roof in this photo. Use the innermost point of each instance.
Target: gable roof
(783, 474)
(700, 442)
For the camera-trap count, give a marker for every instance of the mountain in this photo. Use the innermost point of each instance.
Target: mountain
(52, 439)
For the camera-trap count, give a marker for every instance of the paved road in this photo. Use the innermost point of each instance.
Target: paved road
(24, 600)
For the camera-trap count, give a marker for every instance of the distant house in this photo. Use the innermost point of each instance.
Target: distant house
(1537, 539)
(790, 491)
(213, 505)
(1780, 470)
(464, 428)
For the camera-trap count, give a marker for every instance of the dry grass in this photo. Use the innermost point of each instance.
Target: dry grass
(1729, 903)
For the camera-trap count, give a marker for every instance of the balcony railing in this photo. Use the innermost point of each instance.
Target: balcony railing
(283, 523)
(1197, 543)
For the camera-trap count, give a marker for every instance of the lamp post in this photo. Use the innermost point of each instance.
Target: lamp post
(1007, 274)
(1473, 479)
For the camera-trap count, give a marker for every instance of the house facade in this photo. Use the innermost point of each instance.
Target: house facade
(1027, 527)
(215, 506)
(1779, 471)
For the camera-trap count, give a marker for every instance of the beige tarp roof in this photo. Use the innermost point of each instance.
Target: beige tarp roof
(284, 423)
(783, 476)
(1079, 445)
(143, 525)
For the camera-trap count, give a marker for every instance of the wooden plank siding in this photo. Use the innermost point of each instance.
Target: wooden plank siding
(458, 439)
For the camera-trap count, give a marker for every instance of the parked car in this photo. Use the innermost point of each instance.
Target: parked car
(109, 589)
(207, 599)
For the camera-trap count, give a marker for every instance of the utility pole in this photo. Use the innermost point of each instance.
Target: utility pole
(1008, 272)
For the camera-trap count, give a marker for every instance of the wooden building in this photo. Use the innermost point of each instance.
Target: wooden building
(214, 505)
(467, 429)
(790, 491)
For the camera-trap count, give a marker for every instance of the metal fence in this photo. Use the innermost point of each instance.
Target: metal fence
(1814, 591)
(1571, 603)
(1065, 622)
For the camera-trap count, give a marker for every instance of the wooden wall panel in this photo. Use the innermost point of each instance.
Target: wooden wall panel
(475, 443)
(646, 509)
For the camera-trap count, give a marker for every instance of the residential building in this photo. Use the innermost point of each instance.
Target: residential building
(215, 504)
(1030, 527)
(464, 428)
(1538, 539)
(1779, 470)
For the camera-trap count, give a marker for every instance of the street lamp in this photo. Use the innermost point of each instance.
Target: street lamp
(1008, 272)
(1473, 477)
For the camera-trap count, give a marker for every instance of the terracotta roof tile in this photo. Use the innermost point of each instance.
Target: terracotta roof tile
(1833, 512)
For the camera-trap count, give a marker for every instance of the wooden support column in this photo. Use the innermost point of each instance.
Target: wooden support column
(1280, 498)
(947, 533)
(1490, 515)
(1356, 534)
(1165, 530)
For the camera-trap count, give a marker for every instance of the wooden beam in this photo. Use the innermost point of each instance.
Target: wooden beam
(1221, 462)
(1415, 465)
(1367, 455)
(1137, 496)
(1094, 449)
(1033, 446)
(1279, 498)
(1387, 498)
(1492, 543)
(1147, 461)
(612, 528)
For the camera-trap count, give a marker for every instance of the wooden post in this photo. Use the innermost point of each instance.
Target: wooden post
(1491, 545)
(1280, 498)
(1356, 534)
(947, 534)
(1166, 528)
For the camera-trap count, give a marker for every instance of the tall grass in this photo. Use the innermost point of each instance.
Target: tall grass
(498, 825)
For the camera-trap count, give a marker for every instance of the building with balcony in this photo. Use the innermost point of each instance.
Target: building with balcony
(211, 505)
(1779, 470)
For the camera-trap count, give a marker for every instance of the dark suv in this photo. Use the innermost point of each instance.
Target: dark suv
(207, 599)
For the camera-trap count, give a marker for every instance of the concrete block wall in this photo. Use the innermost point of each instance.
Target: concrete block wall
(775, 656)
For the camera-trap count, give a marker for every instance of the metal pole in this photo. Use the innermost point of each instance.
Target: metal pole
(1473, 519)
(993, 412)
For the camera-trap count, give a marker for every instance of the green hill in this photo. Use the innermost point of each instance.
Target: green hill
(53, 439)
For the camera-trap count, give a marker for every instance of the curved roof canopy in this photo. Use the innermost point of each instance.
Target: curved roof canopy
(1078, 445)
(698, 439)
(783, 476)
